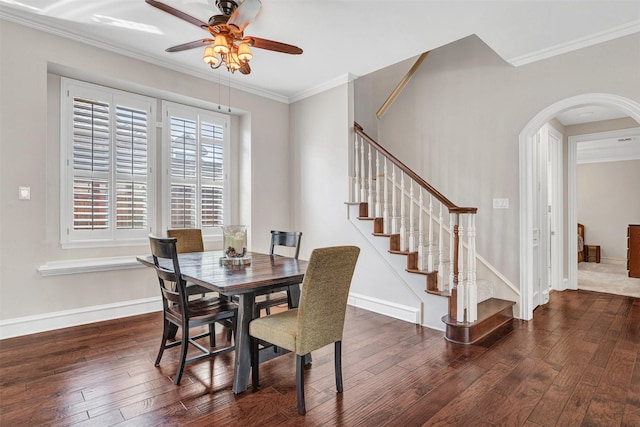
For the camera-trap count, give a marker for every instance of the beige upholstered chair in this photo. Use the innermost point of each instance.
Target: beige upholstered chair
(189, 240)
(317, 322)
(180, 311)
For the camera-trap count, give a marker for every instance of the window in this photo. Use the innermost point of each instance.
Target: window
(196, 157)
(106, 153)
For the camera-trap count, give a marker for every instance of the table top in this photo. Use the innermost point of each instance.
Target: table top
(264, 272)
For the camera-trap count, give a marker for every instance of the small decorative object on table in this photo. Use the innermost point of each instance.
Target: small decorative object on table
(235, 245)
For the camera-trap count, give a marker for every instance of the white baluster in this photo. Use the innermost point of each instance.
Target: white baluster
(403, 225)
(356, 160)
(412, 237)
(430, 241)
(363, 194)
(385, 210)
(472, 288)
(421, 257)
(378, 213)
(370, 207)
(441, 284)
(394, 218)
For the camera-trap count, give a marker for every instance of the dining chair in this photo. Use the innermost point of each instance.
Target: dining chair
(318, 321)
(279, 239)
(185, 313)
(189, 240)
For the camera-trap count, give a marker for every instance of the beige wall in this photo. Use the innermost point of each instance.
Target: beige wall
(458, 121)
(608, 201)
(29, 156)
(320, 141)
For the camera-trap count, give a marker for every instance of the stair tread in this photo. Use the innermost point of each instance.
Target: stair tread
(402, 252)
(439, 293)
(411, 270)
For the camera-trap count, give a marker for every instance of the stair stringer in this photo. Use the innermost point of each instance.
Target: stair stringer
(432, 307)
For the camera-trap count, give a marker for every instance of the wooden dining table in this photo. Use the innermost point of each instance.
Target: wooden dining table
(264, 274)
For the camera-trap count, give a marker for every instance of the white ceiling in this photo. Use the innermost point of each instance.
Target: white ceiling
(339, 38)
(587, 114)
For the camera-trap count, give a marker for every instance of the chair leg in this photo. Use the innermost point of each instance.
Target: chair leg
(338, 365)
(255, 362)
(183, 354)
(166, 332)
(300, 384)
(212, 335)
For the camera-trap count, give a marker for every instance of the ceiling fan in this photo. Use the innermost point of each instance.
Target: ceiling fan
(229, 45)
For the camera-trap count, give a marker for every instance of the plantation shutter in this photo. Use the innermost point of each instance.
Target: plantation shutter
(212, 174)
(106, 149)
(91, 166)
(196, 169)
(132, 144)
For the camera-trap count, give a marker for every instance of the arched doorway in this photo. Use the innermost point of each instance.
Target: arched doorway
(526, 144)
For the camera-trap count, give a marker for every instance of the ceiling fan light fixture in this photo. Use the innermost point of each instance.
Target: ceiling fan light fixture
(232, 61)
(228, 45)
(220, 44)
(210, 56)
(244, 52)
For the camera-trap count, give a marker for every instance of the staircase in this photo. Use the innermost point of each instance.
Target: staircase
(392, 197)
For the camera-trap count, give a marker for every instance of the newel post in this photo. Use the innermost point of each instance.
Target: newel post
(453, 299)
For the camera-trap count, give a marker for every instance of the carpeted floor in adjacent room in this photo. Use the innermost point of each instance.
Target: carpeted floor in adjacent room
(609, 278)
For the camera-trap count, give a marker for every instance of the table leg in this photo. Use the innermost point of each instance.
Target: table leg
(242, 366)
(294, 296)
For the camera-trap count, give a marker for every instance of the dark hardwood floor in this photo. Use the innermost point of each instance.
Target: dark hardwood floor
(576, 363)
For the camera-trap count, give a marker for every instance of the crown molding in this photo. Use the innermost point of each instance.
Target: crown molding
(592, 39)
(338, 81)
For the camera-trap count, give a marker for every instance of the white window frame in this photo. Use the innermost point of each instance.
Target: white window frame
(70, 238)
(198, 115)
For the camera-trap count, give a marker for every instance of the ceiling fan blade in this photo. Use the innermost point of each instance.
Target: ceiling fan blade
(274, 46)
(178, 14)
(190, 45)
(244, 14)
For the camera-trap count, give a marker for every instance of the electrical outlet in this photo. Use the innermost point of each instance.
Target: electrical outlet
(500, 203)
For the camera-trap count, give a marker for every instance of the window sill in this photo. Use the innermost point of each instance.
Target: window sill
(89, 265)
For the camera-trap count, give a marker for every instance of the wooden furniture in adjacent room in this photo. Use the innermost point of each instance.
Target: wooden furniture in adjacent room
(580, 242)
(633, 250)
(592, 253)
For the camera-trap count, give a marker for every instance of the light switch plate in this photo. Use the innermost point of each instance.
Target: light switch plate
(24, 193)
(500, 203)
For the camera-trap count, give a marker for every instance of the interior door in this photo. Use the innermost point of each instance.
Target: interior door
(535, 249)
(555, 212)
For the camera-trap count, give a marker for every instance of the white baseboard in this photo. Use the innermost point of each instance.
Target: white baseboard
(397, 311)
(618, 261)
(63, 319)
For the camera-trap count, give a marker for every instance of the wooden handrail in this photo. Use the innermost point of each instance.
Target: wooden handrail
(415, 177)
